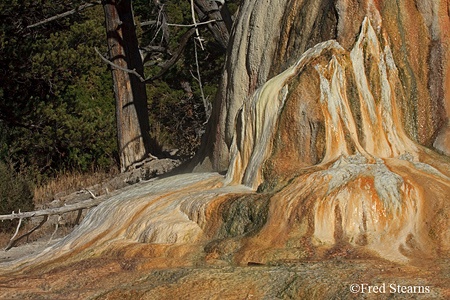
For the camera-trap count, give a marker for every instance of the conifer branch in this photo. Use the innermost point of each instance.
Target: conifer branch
(65, 14)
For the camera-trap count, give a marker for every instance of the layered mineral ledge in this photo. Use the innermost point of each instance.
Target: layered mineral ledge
(324, 162)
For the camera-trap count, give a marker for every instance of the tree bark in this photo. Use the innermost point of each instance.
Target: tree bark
(209, 10)
(133, 137)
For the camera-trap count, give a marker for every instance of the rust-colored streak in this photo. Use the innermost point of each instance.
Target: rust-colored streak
(329, 152)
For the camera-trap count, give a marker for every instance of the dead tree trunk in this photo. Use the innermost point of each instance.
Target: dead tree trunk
(133, 137)
(210, 10)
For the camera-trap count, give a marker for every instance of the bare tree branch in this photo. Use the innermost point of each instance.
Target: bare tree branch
(192, 25)
(206, 104)
(13, 242)
(195, 24)
(209, 10)
(154, 49)
(134, 72)
(17, 231)
(178, 53)
(54, 211)
(146, 23)
(166, 66)
(162, 23)
(77, 220)
(175, 57)
(54, 232)
(164, 49)
(92, 194)
(65, 14)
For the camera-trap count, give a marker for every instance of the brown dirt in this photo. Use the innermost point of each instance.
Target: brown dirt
(25, 249)
(134, 278)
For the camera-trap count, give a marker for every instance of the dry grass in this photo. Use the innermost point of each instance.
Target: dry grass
(70, 182)
(66, 184)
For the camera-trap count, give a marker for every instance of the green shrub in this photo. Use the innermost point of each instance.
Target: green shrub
(16, 193)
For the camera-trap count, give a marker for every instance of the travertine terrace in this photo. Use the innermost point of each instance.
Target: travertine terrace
(330, 155)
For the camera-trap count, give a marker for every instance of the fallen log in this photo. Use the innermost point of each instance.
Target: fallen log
(94, 201)
(54, 211)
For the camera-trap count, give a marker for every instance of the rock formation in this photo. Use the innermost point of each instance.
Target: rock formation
(269, 36)
(325, 120)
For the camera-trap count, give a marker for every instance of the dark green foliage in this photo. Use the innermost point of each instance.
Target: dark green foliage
(177, 113)
(56, 94)
(56, 99)
(15, 193)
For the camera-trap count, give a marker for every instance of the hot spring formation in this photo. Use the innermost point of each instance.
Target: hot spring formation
(321, 164)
